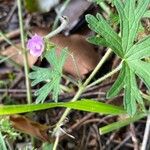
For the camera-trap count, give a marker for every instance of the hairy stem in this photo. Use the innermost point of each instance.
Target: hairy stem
(25, 59)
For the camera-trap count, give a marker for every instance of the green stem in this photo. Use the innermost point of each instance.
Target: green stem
(82, 88)
(56, 143)
(25, 59)
(104, 58)
(66, 89)
(105, 76)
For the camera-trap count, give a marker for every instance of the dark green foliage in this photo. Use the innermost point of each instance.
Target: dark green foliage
(131, 54)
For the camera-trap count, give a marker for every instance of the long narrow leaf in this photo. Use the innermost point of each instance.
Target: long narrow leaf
(120, 124)
(84, 105)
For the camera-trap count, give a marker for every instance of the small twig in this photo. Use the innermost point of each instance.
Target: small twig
(4, 37)
(112, 136)
(8, 57)
(123, 142)
(64, 23)
(11, 34)
(70, 79)
(9, 16)
(133, 136)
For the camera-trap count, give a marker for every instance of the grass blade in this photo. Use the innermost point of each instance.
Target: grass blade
(120, 124)
(84, 105)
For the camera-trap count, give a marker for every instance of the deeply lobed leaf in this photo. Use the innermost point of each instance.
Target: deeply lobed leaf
(130, 13)
(101, 27)
(52, 76)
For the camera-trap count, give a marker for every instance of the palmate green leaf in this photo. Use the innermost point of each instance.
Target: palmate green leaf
(147, 14)
(139, 50)
(130, 13)
(40, 74)
(83, 105)
(127, 80)
(142, 69)
(97, 40)
(50, 76)
(130, 16)
(118, 85)
(132, 95)
(101, 27)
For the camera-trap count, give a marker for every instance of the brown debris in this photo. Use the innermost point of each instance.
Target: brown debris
(28, 126)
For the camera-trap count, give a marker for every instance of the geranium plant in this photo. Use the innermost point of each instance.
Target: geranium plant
(133, 66)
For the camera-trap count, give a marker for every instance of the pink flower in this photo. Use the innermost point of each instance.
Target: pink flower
(36, 45)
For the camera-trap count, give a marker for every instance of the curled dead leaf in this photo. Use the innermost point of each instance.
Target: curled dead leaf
(30, 127)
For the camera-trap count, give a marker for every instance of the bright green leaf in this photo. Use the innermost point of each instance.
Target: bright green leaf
(139, 50)
(84, 105)
(101, 27)
(97, 40)
(114, 126)
(142, 69)
(118, 85)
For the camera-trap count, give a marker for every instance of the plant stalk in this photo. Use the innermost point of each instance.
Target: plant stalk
(65, 4)
(56, 143)
(146, 133)
(25, 59)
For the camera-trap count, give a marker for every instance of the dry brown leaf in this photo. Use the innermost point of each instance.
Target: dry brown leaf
(86, 58)
(30, 127)
(18, 57)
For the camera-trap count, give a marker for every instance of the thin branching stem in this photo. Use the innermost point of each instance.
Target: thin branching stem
(25, 59)
(104, 58)
(65, 4)
(56, 143)
(64, 23)
(83, 87)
